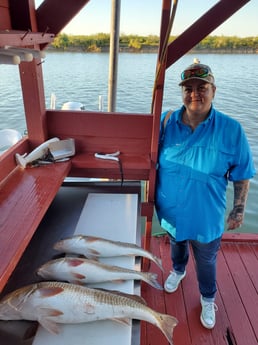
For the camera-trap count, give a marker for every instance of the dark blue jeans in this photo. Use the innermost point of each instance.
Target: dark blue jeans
(205, 255)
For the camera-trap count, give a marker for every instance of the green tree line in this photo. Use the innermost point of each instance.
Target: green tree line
(100, 42)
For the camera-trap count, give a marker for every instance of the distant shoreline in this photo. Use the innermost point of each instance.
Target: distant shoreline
(150, 44)
(154, 50)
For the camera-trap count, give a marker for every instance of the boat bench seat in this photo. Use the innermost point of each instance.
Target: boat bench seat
(100, 132)
(130, 167)
(25, 195)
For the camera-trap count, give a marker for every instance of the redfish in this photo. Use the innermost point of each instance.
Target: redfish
(95, 247)
(53, 303)
(84, 271)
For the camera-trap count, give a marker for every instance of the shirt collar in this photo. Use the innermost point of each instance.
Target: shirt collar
(179, 114)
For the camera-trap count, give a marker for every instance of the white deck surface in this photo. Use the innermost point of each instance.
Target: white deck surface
(115, 217)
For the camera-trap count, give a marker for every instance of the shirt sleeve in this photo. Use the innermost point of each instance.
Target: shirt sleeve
(244, 168)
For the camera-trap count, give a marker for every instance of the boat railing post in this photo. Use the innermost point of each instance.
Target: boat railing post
(101, 103)
(113, 54)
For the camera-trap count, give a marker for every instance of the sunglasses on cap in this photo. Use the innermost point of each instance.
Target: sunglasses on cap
(201, 72)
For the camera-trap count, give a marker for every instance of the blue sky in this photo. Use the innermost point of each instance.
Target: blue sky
(142, 17)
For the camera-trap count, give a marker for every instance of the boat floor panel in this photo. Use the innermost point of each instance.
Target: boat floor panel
(59, 222)
(237, 298)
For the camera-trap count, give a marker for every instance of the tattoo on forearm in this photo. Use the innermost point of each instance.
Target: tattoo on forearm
(236, 216)
(240, 195)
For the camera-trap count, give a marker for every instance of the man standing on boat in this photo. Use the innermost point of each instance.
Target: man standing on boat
(201, 149)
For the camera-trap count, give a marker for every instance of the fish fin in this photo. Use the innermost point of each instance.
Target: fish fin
(45, 319)
(77, 279)
(126, 322)
(48, 312)
(74, 261)
(151, 278)
(118, 281)
(90, 239)
(20, 160)
(136, 298)
(78, 276)
(93, 254)
(50, 291)
(50, 326)
(158, 261)
(90, 257)
(166, 324)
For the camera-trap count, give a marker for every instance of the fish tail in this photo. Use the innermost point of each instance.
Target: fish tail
(20, 160)
(158, 262)
(166, 324)
(151, 279)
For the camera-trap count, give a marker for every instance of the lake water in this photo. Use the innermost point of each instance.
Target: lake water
(84, 77)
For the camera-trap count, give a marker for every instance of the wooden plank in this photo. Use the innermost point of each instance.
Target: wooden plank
(236, 299)
(54, 15)
(22, 12)
(24, 38)
(96, 132)
(240, 237)
(34, 101)
(4, 3)
(24, 198)
(107, 143)
(100, 131)
(7, 159)
(185, 305)
(222, 326)
(231, 266)
(248, 253)
(133, 167)
(243, 265)
(5, 21)
(208, 22)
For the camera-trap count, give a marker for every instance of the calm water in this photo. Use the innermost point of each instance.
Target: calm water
(84, 77)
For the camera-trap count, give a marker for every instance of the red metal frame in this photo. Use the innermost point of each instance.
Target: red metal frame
(213, 18)
(37, 28)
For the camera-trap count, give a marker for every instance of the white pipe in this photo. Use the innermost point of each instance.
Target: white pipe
(25, 54)
(53, 101)
(37, 54)
(101, 103)
(22, 55)
(113, 54)
(9, 60)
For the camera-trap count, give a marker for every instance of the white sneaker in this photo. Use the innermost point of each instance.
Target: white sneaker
(208, 317)
(173, 280)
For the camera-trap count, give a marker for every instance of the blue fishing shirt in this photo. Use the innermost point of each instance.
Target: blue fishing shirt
(193, 171)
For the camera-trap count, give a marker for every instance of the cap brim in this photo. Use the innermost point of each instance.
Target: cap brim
(210, 80)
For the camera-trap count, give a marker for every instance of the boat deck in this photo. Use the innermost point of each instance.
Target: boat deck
(237, 297)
